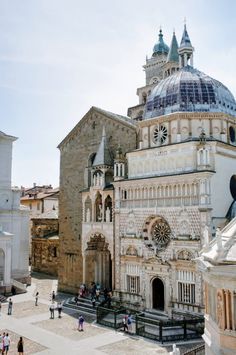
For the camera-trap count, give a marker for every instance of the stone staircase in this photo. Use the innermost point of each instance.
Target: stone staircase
(83, 305)
(156, 314)
(3, 299)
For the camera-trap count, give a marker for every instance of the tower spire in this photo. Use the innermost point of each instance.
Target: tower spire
(173, 55)
(185, 49)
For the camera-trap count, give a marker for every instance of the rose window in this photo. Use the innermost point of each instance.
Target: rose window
(160, 134)
(161, 233)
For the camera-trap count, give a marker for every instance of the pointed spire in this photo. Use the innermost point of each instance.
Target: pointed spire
(185, 50)
(185, 41)
(103, 156)
(173, 55)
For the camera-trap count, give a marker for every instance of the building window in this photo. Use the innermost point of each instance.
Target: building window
(186, 292)
(133, 284)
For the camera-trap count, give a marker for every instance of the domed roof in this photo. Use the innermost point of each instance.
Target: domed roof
(160, 47)
(189, 90)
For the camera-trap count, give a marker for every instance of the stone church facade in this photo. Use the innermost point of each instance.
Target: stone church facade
(141, 195)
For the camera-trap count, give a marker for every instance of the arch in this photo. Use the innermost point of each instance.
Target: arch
(158, 294)
(97, 260)
(185, 255)
(131, 251)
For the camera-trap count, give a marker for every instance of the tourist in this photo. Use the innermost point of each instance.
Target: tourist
(20, 346)
(53, 296)
(10, 305)
(129, 323)
(59, 309)
(81, 323)
(1, 344)
(97, 294)
(125, 325)
(36, 298)
(52, 309)
(6, 343)
(93, 302)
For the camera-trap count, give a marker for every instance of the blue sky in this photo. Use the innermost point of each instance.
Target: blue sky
(60, 57)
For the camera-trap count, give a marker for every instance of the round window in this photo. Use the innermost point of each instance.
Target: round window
(232, 134)
(161, 233)
(160, 134)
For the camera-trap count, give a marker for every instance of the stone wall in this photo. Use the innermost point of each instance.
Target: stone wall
(77, 147)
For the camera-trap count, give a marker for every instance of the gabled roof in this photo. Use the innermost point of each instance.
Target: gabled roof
(7, 136)
(125, 120)
(103, 156)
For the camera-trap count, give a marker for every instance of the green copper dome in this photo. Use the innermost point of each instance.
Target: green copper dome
(160, 47)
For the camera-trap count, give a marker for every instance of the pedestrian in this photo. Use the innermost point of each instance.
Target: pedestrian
(1, 344)
(0, 307)
(10, 305)
(93, 302)
(6, 342)
(52, 308)
(59, 309)
(81, 323)
(36, 298)
(53, 295)
(129, 323)
(20, 346)
(125, 325)
(97, 294)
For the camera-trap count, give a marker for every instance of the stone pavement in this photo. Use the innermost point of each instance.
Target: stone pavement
(43, 335)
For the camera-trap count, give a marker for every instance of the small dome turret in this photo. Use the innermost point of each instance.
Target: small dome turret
(160, 47)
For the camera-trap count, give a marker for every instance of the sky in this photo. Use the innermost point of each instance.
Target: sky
(60, 57)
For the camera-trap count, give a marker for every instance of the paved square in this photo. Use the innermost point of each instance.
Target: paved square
(45, 336)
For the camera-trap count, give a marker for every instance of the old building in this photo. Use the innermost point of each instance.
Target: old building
(45, 243)
(139, 194)
(40, 199)
(14, 224)
(218, 265)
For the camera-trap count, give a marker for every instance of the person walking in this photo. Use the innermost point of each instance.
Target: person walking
(20, 346)
(129, 323)
(36, 298)
(59, 309)
(10, 305)
(125, 325)
(6, 342)
(93, 302)
(52, 309)
(1, 344)
(53, 296)
(97, 294)
(81, 323)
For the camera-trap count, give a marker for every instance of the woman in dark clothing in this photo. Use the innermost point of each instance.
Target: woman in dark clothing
(20, 346)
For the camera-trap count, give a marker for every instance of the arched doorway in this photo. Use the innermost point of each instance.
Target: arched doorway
(158, 300)
(98, 265)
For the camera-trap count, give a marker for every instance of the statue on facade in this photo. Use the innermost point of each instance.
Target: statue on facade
(108, 215)
(220, 310)
(206, 236)
(88, 215)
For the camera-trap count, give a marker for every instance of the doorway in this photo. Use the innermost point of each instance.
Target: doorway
(158, 301)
